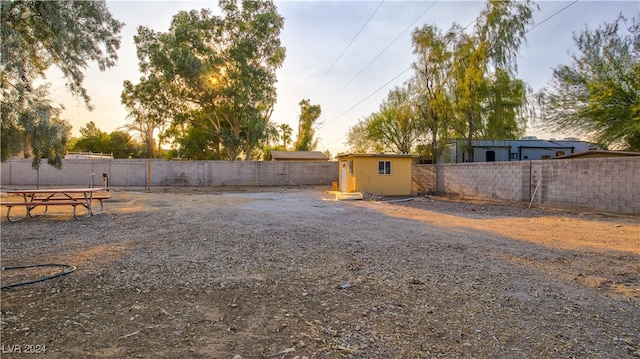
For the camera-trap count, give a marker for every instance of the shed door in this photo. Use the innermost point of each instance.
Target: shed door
(343, 177)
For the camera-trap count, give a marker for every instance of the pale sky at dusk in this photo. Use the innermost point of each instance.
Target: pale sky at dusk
(315, 33)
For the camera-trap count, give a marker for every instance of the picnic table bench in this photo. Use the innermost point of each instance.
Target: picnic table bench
(73, 197)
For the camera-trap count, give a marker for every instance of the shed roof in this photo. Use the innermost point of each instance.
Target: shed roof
(298, 156)
(377, 155)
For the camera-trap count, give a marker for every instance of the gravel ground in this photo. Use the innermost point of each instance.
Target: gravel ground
(291, 273)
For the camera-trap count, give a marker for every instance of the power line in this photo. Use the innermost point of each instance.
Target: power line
(346, 48)
(379, 54)
(551, 16)
(366, 98)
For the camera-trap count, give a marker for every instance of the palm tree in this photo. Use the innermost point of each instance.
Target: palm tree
(287, 131)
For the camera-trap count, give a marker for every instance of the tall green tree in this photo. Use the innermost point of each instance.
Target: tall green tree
(309, 114)
(499, 32)
(465, 85)
(599, 93)
(285, 134)
(505, 107)
(431, 86)
(219, 72)
(36, 35)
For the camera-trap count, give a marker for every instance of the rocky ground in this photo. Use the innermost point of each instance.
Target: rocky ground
(290, 273)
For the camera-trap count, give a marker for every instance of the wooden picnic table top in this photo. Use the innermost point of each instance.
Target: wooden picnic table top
(56, 190)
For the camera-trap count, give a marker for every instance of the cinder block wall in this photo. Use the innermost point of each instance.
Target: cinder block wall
(424, 178)
(495, 180)
(134, 173)
(599, 184)
(596, 184)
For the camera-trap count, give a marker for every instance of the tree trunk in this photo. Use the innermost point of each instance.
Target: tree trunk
(470, 138)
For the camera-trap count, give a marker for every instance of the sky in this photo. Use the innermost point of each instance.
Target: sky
(342, 55)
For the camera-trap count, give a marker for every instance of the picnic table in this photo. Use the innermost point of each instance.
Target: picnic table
(72, 197)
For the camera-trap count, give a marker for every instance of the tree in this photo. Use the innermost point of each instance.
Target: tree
(358, 140)
(35, 36)
(431, 84)
(150, 108)
(92, 139)
(309, 114)
(499, 32)
(218, 72)
(504, 107)
(464, 84)
(122, 145)
(285, 134)
(599, 93)
(118, 143)
(395, 125)
(194, 143)
(393, 128)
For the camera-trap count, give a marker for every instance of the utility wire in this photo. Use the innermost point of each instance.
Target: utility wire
(346, 48)
(366, 98)
(379, 54)
(551, 16)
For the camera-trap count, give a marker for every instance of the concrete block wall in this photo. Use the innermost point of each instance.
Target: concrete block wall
(424, 178)
(594, 184)
(495, 180)
(598, 184)
(134, 173)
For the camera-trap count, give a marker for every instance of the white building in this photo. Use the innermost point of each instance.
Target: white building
(527, 148)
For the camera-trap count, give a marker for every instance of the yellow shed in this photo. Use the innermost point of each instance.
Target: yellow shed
(380, 174)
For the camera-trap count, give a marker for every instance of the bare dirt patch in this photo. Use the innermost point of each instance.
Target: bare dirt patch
(287, 272)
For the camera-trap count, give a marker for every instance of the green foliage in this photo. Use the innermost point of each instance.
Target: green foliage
(463, 87)
(431, 93)
(285, 134)
(309, 114)
(122, 145)
(599, 93)
(394, 128)
(35, 36)
(464, 83)
(505, 101)
(118, 143)
(150, 108)
(359, 141)
(195, 143)
(92, 140)
(216, 75)
(494, 44)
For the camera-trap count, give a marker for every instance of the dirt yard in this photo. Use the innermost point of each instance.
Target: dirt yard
(290, 273)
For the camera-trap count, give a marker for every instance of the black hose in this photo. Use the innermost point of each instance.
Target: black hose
(68, 269)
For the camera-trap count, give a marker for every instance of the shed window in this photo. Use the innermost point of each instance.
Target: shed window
(559, 153)
(384, 167)
(351, 167)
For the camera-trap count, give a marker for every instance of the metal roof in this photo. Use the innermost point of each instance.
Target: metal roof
(384, 155)
(298, 155)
